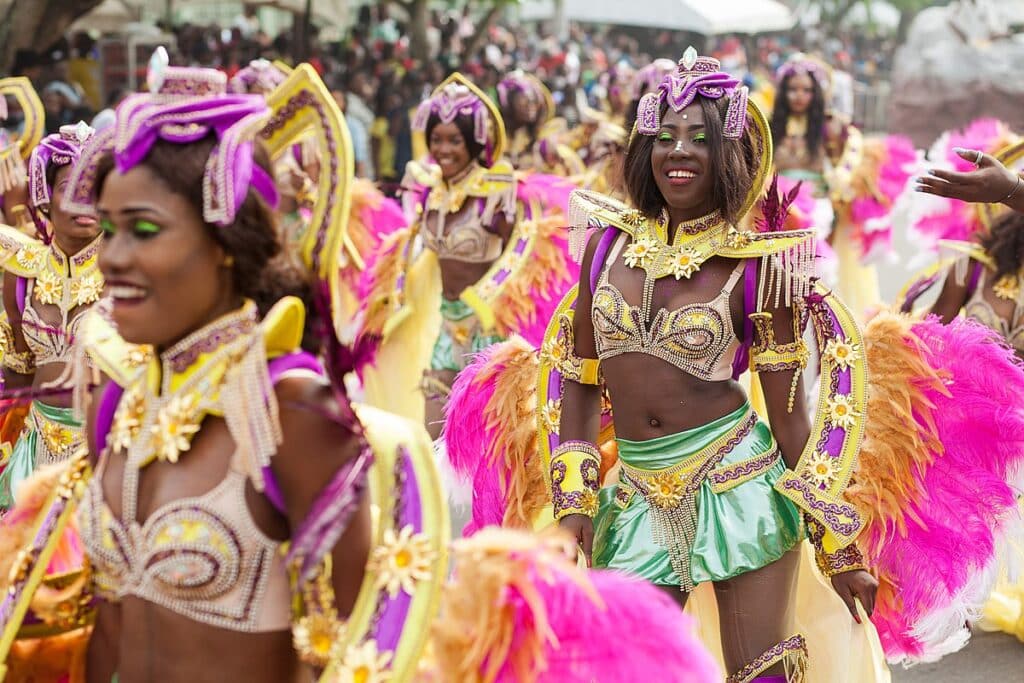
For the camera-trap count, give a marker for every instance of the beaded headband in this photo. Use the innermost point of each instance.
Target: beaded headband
(648, 78)
(60, 149)
(260, 73)
(63, 148)
(801, 64)
(456, 97)
(184, 105)
(695, 76)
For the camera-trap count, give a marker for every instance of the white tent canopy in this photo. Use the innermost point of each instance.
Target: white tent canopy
(707, 17)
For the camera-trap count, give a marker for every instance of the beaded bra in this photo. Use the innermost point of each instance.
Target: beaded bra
(696, 338)
(202, 557)
(455, 215)
(51, 278)
(981, 310)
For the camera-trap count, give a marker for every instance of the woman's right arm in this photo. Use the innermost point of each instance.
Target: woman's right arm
(581, 403)
(19, 364)
(954, 295)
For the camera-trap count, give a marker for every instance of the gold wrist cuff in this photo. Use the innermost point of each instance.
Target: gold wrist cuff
(575, 474)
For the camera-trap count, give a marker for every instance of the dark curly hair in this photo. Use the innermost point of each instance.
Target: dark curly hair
(733, 166)
(1005, 244)
(261, 270)
(467, 127)
(815, 117)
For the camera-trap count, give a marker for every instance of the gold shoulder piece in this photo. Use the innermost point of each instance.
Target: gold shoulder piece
(20, 254)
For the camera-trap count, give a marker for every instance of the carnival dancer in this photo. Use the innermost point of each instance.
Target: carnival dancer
(535, 134)
(199, 433)
(856, 180)
(485, 251)
(49, 285)
(674, 295)
(982, 278)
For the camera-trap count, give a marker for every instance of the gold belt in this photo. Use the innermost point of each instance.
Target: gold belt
(672, 495)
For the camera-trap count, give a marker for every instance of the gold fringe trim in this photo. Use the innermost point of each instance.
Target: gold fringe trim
(251, 410)
(792, 653)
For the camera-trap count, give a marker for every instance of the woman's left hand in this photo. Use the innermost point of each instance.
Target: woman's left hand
(856, 585)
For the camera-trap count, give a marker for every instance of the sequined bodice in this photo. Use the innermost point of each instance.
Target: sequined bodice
(461, 235)
(202, 557)
(696, 338)
(68, 285)
(981, 310)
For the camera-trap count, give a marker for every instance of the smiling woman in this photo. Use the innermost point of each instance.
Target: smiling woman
(48, 286)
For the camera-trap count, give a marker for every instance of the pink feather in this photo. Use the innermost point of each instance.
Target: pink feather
(871, 211)
(980, 134)
(638, 634)
(966, 501)
(470, 439)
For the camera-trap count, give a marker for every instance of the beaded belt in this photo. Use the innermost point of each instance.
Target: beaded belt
(55, 441)
(672, 495)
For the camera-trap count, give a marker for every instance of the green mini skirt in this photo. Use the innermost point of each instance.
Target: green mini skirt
(697, 506)
(460, 337)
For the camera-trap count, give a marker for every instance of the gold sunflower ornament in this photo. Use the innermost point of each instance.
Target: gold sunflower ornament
(821, 469)
(841, 411)
(402, 560)
(364, 664)
(842, 353)
(640, 252)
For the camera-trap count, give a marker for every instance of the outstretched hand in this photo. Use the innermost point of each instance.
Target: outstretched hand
(991, 182)
(856, 585)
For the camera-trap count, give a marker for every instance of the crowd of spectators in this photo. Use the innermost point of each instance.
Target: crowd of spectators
(378, 83)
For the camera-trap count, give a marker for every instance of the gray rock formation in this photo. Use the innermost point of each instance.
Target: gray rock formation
(960, 62)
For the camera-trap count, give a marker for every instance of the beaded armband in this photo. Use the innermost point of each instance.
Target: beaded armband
(830, 558)
(317, 631)
(770, 356)
(563, 353)
(21, 362)
(575, 471)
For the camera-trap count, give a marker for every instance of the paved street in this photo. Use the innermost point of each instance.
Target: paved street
(989, 657)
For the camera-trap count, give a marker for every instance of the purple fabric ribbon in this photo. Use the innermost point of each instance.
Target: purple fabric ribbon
(451, 102)
(144, 119)
(59, 149)
(681, 87)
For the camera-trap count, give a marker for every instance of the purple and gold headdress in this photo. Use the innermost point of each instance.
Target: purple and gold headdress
(261, 74)
(184, 105)
(803, 64)
(520, 81)
(457, 96)
(650, 77)
(60, 149)
(695, 76)
(63, 148)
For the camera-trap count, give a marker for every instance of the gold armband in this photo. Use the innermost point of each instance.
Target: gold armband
(575, 474)
(317, 631)
(770, 356)
(562, 350)
(21, 362)
(828, 555)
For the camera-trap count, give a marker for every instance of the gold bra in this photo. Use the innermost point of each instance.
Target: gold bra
(981, 310)
(202, 556)
(696, 338)
(461, 236)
